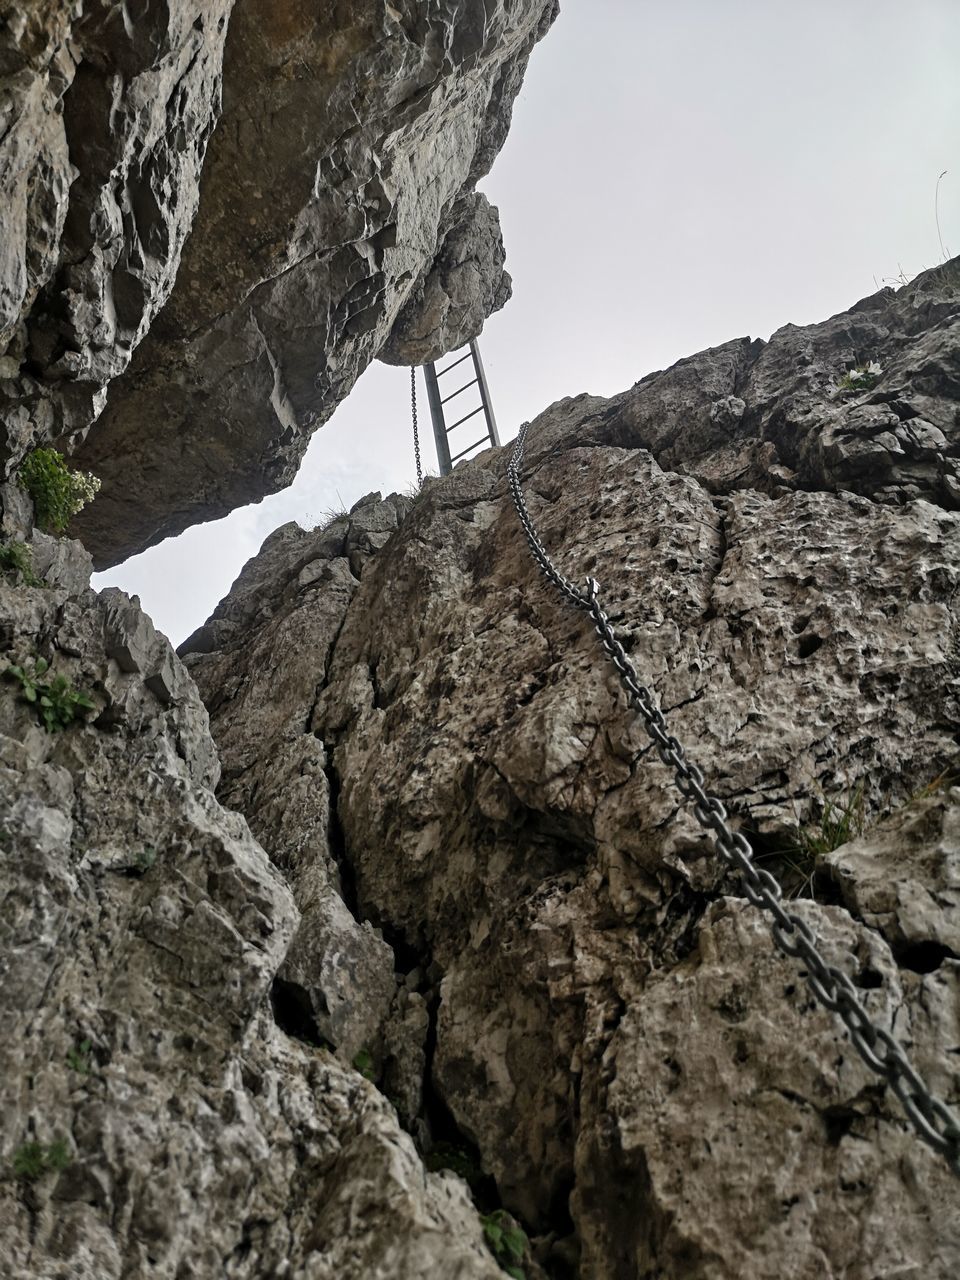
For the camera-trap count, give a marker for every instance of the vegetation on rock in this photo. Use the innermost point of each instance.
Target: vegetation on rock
(57, 492)
(56, 701)
(795, 864)
(33, 1159)
(78, 1058)
(506, 1242)
(16, 558)
(861, 377)
(363, 1062)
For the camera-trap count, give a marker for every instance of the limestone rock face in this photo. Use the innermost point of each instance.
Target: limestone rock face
(599, 1012)
(278, 182)
(778, 415)
(466, 283)
(158, 1120)
(108, 119)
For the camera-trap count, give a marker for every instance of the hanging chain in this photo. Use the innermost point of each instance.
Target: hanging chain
(932, 1119)
(416, 433)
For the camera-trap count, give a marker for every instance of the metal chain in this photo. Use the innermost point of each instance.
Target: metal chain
(416, 433)
(932, 1119)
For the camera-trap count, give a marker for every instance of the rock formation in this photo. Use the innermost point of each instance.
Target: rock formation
(370, 930)
(447, 942)
(157, 1121)
(275, 186)
(651, 1085)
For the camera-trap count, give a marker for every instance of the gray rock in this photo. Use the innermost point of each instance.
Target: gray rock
(465, 284)
(903, 879)
(147, 951)
(338, 186)
(450, 856)
(651, 1084)
(110, 120)
(843, 1190)
(295, 594)
(771, 416)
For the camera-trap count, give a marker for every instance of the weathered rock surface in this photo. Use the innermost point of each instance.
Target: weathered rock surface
(441, 855)
(466, 283)
(290, 601)
(772, 416)
(107, 120)
(652, 1086)
(180, 1131)
(335, 194)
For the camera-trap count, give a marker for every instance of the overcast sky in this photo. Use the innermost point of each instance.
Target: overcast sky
(678, 173)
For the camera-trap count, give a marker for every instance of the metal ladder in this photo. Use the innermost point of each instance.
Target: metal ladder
(441, 431)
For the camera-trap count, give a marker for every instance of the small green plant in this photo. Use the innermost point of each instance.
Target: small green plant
(78, 1059)
(862, 378)
(33, 1159)
(57, 492)
(795, 864)
(146, 858)
(506, 1242)
(16, 558)
(29, 1161)
(56, 701)
(838, 824)
(363, 1062)
(58, 1155)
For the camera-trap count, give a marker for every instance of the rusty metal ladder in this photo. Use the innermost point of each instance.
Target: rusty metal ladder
(442, 433)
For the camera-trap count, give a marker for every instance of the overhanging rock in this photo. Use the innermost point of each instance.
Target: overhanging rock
(345, 149)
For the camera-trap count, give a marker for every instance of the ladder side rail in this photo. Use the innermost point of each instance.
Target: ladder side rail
(485, 394)
(436, 416)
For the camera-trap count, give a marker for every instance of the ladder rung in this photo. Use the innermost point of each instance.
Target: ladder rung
(459, 389)
(485, 440)
(464, 418)
(447, 368)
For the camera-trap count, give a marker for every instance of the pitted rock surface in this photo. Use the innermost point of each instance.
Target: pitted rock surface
(652, 1086)
(775, 415)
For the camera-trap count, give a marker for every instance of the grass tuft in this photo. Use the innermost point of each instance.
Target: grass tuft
(795, 863)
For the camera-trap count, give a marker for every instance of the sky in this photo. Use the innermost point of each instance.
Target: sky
(678, 173)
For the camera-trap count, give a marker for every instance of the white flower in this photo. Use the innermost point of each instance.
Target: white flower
(873, 368)
(84, 487)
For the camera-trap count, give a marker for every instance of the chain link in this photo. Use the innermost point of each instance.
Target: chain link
(931, 1118)
(416, 433)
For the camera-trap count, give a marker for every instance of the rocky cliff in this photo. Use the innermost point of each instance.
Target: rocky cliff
(419, 953)
(368, 937)
(215, 216)
(589, 1003)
